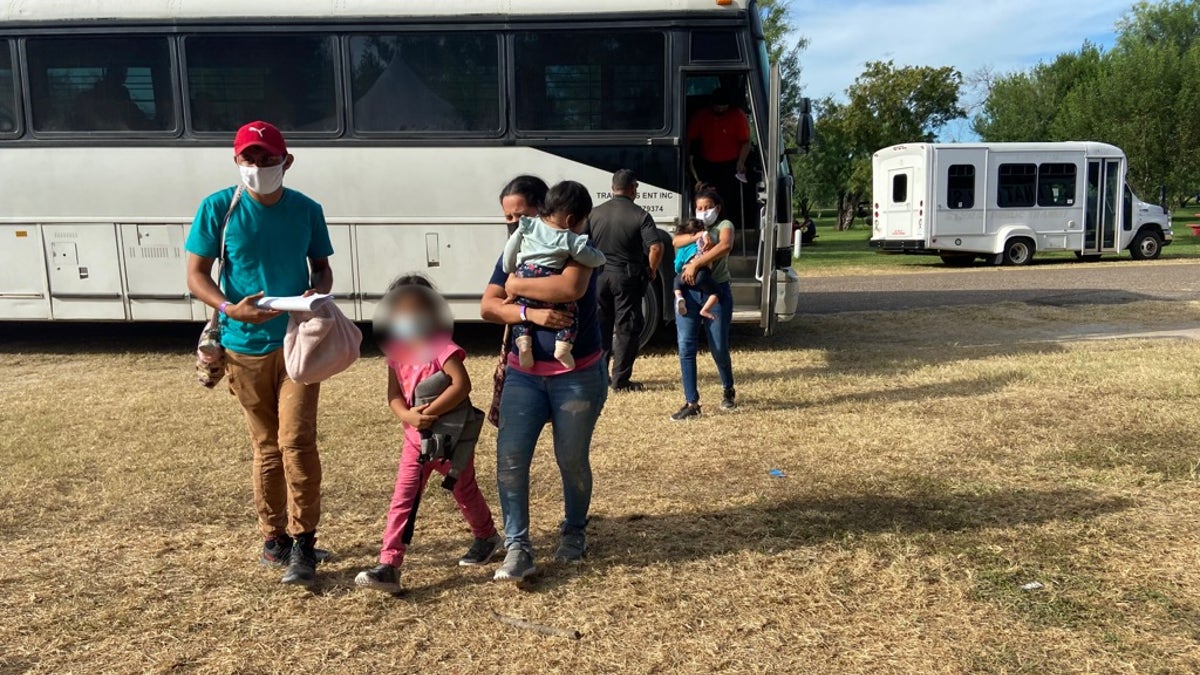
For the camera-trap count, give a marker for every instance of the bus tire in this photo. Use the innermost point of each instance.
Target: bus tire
(958, 259)
(652, 311)
(1147, 245)
(1019, 251)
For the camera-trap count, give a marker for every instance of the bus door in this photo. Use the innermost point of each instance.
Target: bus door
(1102, 217)
(739, 194)
(741, 197)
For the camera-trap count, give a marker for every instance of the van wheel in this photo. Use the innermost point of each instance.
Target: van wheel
(652, 311)
(1146, 245)
(957, 260)
(1018, 251)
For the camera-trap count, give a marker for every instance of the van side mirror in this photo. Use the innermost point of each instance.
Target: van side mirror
(804, 126)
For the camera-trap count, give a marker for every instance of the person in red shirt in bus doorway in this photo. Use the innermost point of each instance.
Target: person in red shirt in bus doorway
(719, 144)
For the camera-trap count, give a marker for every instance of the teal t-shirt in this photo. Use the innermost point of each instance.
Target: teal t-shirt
(268, 248)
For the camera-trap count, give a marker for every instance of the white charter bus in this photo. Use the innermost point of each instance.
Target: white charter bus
(1006, 202)
(406, 118)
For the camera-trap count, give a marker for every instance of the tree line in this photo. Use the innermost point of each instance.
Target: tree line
(1142, 95)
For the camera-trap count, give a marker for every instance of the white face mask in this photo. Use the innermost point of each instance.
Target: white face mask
(263, 180)
(707, 216)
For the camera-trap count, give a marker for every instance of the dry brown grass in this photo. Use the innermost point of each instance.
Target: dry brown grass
(936, 461)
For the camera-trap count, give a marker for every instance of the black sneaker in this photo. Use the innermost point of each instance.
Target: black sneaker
(728, 401)
(379, 578)
(688, 411)
(482, 551)
(275, 551)
(302, 561)
(629, 386)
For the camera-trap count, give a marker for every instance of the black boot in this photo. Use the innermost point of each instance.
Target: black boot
(302, 561)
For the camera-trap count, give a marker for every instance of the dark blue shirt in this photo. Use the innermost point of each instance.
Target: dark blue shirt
(588, 340)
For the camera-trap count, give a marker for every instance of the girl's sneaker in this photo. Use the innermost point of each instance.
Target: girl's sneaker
(481, 552)
(379, 578)
(680, 306)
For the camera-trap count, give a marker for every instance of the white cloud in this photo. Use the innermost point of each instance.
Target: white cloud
(967, 34)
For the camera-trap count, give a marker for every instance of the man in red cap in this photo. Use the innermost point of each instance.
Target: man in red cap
(275, 243)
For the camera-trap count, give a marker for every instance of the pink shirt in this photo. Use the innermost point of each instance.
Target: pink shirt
(410, 375)
(552, 368)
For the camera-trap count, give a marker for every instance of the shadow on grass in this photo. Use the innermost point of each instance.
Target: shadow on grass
(788, 523)
(962, 388)
(775, 525)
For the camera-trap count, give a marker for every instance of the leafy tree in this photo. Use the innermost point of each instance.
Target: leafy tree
(1175, 23)
(1023, 106)
(1142, 96)
(886, 105)
(784, 48)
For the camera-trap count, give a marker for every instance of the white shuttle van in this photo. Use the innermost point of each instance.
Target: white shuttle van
(1006, 202)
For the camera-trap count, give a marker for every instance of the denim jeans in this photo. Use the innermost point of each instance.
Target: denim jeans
(571, 403)
(687, 329)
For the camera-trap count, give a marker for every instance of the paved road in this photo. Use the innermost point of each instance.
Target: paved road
(1061, 285)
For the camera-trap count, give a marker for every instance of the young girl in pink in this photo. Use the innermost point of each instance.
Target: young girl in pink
(418, 346)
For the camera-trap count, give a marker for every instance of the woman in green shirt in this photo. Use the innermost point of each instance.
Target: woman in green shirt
(688, 325)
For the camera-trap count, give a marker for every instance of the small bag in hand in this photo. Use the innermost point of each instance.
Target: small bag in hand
(210, 355)
(320, 344)
(498, 376)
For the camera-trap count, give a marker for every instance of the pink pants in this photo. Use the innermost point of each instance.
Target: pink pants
(410, 483)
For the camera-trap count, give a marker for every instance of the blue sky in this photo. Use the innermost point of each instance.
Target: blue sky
(1006, 35)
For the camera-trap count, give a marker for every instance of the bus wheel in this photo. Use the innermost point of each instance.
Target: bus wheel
(652, 308)
(1146, 246)
(1018, 251)
(957, 259)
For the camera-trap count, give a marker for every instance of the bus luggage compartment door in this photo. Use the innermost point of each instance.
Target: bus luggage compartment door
(84, 270)
(22, 278)
(155, 272)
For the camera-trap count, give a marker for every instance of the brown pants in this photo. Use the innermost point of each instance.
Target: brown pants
(282, 418)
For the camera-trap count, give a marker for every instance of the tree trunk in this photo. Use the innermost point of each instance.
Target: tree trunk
(847, 205)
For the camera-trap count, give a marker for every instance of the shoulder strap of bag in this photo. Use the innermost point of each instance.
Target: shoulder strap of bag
(222, 256)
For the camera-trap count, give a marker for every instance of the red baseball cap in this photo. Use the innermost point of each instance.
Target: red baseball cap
(263, 134)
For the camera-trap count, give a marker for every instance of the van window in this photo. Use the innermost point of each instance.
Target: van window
(572, 81)
(8, 92)
(1017, 186)
(960, 186)
(401, 83)
(287, 80)
(900, 188)
(101, 84)
(1056, 185)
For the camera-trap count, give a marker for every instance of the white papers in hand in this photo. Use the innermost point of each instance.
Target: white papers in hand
(294, 303)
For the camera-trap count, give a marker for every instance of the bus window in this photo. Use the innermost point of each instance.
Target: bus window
(101, 84)
(960, 186)
(426, 82)
(715, 45)
(582, 81)
(1017, 186)
(288, 80)
(8, 92)
(1056, 184)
